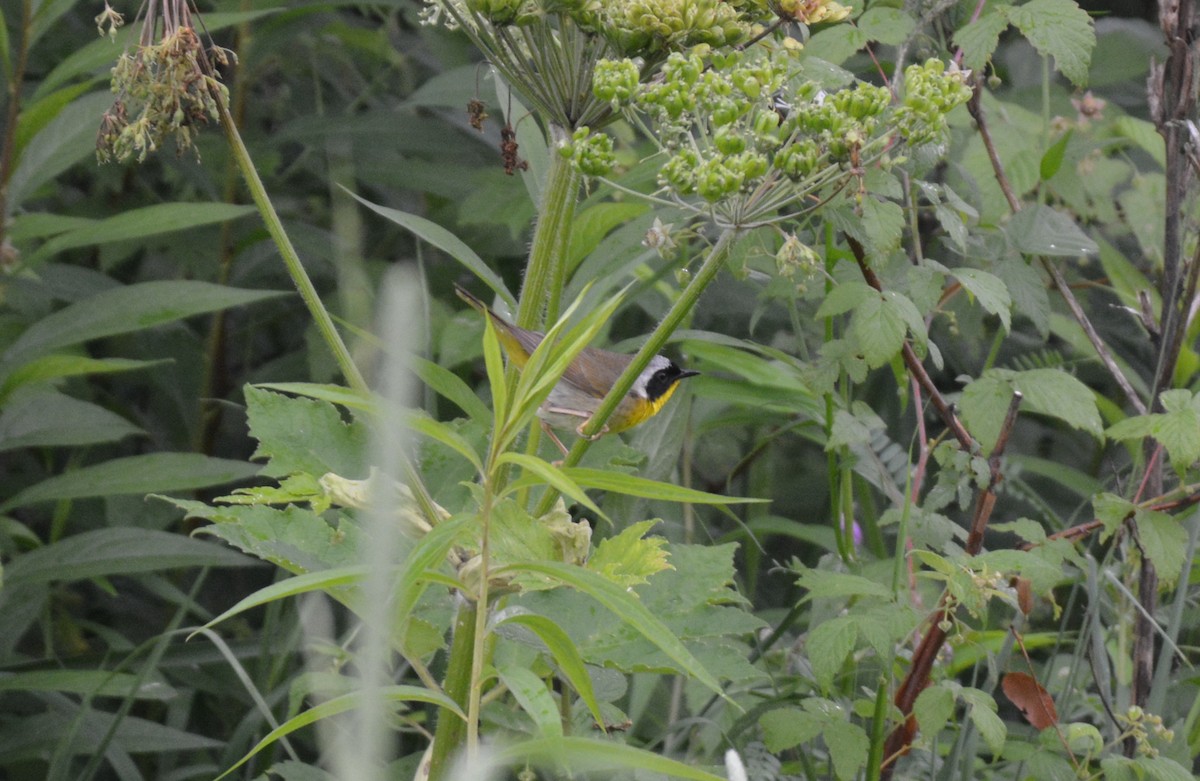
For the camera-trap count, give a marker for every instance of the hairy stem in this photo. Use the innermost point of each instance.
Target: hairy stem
(546, 273)
(451, 730)
(717, 256)
(287, 251)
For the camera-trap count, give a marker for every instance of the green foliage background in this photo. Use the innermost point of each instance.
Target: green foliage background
(151, 345)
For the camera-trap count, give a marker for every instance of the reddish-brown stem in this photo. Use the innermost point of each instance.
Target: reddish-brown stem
(913, 363)
(975, 106)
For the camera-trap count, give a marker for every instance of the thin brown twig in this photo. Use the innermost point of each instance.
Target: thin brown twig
(915, 367)
(926, 652)
(975, 106)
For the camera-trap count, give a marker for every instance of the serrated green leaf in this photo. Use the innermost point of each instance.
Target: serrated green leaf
(125, 309)
(1164, 541)
(836, 44)
(150, 473)
(1162, 768)
(1058, 29)
(630, 558)
(886, 25)
(848, 745)
(785, 728)
(1028, 530)
(828, 584)
(1046, 766)
(979, 38)
(933, 708)
(334, 394)
(882, 225)
(565, 654)
(989, 290)
(879, 327)
(119, 550)
(625, 606)
(1178, 429)
(1050, 392)
(693, 600)
(853, 428)
(294, 538)
(845, 297)
(1042, 230)
(304, 435)
(828, 646)
(1111, 510)
(982, 711)
(1028, 291)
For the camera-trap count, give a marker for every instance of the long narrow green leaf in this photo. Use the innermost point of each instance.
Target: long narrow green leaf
(449, 385)
(145, 474)
(345, 703)
(535, 699)
(494, 364)
(97, 683)
(440, 432)
(142, 223)
(51, 367)
(121, 550)
(124, 309)
(550, 475)
(625, 606)
(617, 482)
(583, 754)
(425, 557)
(445, 241)
(569, 660)
(293, 586)
(334, 394)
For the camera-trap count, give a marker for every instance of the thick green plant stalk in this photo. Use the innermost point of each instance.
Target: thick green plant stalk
(451, 731)
(717, 256)
(545, 274)
(287, 251)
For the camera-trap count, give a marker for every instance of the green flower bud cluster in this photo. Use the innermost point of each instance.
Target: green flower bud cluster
(930, 92)
(648, 27)
(616, 81)
(505, 12)
(717, 121)
(591, 153)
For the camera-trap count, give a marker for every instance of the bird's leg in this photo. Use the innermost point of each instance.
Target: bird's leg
(593, 437)
(550, 433)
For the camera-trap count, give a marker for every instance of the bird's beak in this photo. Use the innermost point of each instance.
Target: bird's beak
(684, 374)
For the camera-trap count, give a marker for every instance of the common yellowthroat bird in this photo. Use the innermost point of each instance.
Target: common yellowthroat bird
(588, 379)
